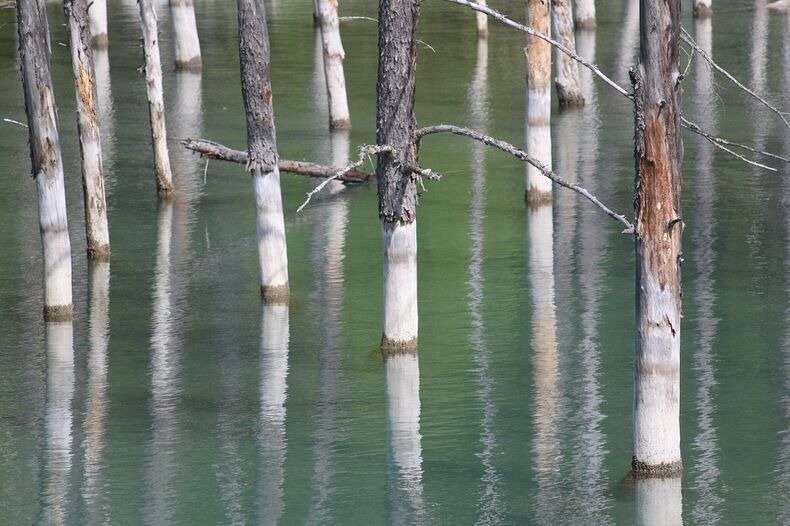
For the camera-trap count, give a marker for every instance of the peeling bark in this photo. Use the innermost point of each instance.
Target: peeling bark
(96, 229)
(659, 227)
(186, 42)
(47, 165)
(569, 91)
(538, 131)
(156, 102)
(334, 54)
(397, 188)
(262, 156)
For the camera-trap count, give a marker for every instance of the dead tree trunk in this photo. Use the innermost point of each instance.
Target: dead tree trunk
(262, 159)
(397, 188)
(569, 91)
(45, 157)
(339, 117)
(659, 227)
(481, 19)
(96, 229)
(538, 52)
(186, 43)
(156, 103)
(97, 11)
(584, 14)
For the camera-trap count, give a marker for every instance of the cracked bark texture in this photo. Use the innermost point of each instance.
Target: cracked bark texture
(262, 159)
(659, 227)
(397, 189)
(96, 229)
(47, 165)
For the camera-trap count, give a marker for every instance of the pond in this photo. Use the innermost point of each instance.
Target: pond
(177, 398)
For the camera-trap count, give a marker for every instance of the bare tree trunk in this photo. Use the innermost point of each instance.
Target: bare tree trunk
(185, 36)
(339, 117)
(395, 125)
(256, 90)
(584, 14)
(703, 8)
(659, 227)
(481, 19)
(569, 91)
(156, 102)
(97, 11)
(96, 229)
(538, 52)
(45, 157)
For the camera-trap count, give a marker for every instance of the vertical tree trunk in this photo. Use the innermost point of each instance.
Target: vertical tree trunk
(97, 11)
(333, 65)
(45, 157)
(156, 102)
(703, 8)
(481, 19)
(584, 14)
(659, 227)
(256, 90)
(395, 124)
(569, 92)
(538, 53)
(96, 228)
(185, 36)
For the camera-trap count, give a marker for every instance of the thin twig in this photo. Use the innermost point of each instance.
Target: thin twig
(496, 15)
(426, 44)
(522, 155)
(364, 151)
(12, 121)
(720, 143)
(350, 18)
(690, 41)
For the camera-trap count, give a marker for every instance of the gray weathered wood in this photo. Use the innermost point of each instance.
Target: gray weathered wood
(96, 229)
(45, 156)
(569, 91)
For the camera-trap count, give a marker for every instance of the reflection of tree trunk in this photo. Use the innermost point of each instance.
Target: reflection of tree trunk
(538, 53)
(58, 418)
(658, 502)
(546, 445)
(403, 417)
(627, 39)
(707, 507)
(272, 444)
(93, 490)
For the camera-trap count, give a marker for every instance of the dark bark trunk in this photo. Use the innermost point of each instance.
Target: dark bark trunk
(659, 227)
(395, 122)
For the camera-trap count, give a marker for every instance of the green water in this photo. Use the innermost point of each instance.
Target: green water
(177, 398)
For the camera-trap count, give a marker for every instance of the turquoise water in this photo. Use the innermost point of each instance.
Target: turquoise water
(175, 397)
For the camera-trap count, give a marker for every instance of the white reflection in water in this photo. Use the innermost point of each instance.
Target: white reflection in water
(707, 508)
(94, 487)
(627, 41)
(106, 112)
(327, 254)
(405, 446)
(489, 499)
(58, 420)
(546, 443)
(658, 502)
(272, 444)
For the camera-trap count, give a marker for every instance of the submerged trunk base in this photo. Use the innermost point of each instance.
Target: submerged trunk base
(194, 65)
(99, 253)
(100, 41)
(58, 313)
(390, 347)
(703, 11)
(568, 99)
(641, 469)
(340, 124)
(276, 294)
(586, 23)
(537, 197)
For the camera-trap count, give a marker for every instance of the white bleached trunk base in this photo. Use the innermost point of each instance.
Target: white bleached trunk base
(400, 287)
(57, 248)
(339, 117)
(538, 145)
(186, 42)
(272, 251)
(703, 8)
(584, 14)
(481, 19)
(97, 14)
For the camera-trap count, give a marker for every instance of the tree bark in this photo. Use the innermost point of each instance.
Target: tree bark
(96, 229)
(584, 14)
(156, 103)
(481, 21)
(397, 189)
(97, 11)
(334, 54)
(186, 43)
(47, 165)
(569, 92)
(659, 227)
(538, 53)
(262, 160)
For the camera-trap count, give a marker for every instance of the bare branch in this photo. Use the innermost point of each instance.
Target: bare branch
(12, 121)
(522, 155)
(214, 150)
(364, 151)
(496, 15)
(690, 41)
(720, 143)
(352, 18)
